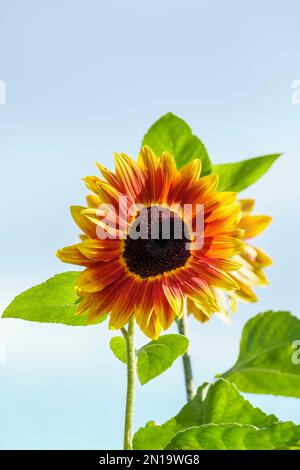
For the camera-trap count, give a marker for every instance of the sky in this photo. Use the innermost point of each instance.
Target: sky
(84, 79)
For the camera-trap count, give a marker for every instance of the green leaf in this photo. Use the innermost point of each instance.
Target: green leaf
(118, 347)
(157, 356)
(54, 301)
(155, 437)
(239, 175)
(153, 358)
(217, 403)
(265, 362)
(237, 437)
(172, 134)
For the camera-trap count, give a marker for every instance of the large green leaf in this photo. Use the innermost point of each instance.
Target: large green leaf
(157, 356)
(239, 175)
(265, 364)
(217, 403)
(54, 301)
(118, 347)
(172, 134)
(237, 437)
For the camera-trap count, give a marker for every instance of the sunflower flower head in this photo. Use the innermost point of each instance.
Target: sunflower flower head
(154, 240)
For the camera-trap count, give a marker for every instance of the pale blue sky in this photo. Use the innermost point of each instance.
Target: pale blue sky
(84, 79)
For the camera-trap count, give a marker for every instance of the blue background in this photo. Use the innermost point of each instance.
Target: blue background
(84, 79)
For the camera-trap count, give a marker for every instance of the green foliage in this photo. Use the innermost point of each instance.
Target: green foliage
(239, 175)
(237, 437)
(153, 358)
(172, 134)
(216, 404)
(118, 347)
(54, 301)
(264, 364)
(157, 356)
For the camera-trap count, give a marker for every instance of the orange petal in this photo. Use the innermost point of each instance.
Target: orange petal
(100, 303)
(145, 306)
(214, 276)
(123, 309)
(185, 179)
(164, 313)
(195, 193)
(148, 162)
(98, 276)
(197, 289)
(166, 174)
(145, 313)
(93, 305)
(129, 175)
(173, 294)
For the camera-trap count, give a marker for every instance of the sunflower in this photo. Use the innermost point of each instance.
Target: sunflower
(149, 277)
(252, 260)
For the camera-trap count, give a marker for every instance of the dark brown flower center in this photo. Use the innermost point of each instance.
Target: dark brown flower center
(156, 243)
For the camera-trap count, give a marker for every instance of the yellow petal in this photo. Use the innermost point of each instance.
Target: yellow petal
(93, 200)
(191, 171)
(71, 254)
(83, 223)
(247, 205)
(254, 224)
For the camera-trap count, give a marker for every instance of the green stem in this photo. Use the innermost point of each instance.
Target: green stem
(131, 375)
(186, 360)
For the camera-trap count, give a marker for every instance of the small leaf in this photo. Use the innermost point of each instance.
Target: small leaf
(118, 347)
(239, 175)
(219, 402)
(172, 134)
(155, 437)
(265, 362)
(157, 356)
(237, 437)
(54, 301)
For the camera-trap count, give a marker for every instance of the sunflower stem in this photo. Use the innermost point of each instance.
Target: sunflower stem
(131, 377)
(186, 360)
